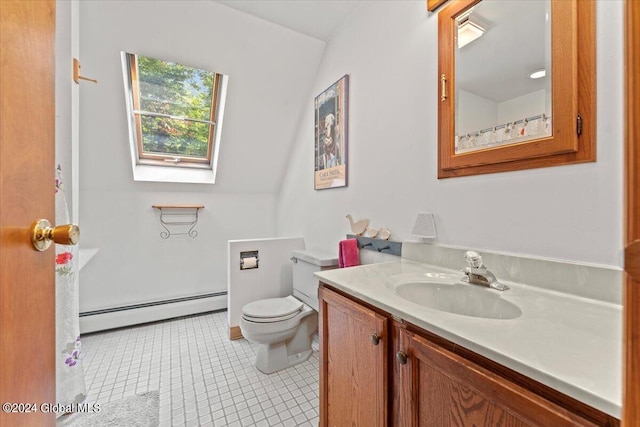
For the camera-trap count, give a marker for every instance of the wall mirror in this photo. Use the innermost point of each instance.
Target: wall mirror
(516, 85)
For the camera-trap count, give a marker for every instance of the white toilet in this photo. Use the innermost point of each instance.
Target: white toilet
(284, 327)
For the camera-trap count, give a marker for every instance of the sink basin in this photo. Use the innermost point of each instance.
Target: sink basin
(459, 298)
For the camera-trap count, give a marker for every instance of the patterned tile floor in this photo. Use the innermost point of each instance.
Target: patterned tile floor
(204, 379)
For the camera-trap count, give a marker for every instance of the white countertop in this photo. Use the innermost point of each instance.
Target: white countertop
(571, 344)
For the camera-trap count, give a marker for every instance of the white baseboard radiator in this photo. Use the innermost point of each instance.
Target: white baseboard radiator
(117, 317)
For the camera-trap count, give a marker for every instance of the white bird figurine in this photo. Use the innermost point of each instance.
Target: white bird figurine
(358, 227)
(370, 232)
(383, 233)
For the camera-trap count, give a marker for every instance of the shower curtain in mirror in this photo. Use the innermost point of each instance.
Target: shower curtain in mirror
(70, 386)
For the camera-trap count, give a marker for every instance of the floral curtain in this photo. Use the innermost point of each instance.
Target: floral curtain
(70, 385)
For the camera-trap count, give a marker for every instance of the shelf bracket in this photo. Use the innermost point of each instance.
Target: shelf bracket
(187, 218)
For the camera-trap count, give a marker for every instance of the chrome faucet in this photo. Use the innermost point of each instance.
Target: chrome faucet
(477, 273)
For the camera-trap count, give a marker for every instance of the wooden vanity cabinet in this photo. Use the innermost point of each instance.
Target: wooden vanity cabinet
(431, 381)
(353, 363)
(438, 388)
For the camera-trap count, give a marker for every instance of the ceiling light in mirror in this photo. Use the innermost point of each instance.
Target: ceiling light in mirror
(468, 31)
(538, 74)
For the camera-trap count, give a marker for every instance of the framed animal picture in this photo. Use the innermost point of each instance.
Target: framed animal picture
(331, 125)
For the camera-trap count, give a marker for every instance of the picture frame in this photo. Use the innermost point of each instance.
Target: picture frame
(331, 110)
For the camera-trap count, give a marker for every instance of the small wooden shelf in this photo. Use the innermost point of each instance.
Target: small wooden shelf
(188, 220)
(178, 206)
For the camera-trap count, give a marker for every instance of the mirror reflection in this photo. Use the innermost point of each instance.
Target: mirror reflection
(503, 74)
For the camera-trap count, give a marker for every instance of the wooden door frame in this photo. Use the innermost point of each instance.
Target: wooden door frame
(631, 401)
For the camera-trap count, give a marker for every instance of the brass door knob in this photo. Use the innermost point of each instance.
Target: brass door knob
(402, 357)
(375, 339)
(43, 234)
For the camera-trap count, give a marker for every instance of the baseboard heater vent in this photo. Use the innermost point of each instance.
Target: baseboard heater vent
(117, 317)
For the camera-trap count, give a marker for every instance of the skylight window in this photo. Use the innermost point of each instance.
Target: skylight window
(175, 112)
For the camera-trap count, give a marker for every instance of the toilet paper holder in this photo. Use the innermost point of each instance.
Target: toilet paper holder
(249, 260)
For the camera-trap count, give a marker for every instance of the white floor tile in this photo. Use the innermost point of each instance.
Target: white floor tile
(204, 379)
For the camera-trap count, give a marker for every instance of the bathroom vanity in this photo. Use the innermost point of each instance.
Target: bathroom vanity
(390, 355)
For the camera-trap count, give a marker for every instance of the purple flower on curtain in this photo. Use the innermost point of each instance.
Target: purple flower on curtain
(58, 178)
(74, 352)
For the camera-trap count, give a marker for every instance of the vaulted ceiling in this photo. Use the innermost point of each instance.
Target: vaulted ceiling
(315, 18)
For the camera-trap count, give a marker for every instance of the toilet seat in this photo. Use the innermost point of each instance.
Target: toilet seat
(272, 310)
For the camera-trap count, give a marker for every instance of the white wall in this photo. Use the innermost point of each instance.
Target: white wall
(270, 71)
(389, 48)
(475, 113)
(520, 107)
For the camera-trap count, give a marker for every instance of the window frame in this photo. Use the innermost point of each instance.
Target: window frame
(135, 115)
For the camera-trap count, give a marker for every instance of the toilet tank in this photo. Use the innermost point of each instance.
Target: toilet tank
(305, 263)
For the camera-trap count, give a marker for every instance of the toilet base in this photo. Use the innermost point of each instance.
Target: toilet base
(273, 357)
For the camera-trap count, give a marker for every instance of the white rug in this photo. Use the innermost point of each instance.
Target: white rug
(140, 410)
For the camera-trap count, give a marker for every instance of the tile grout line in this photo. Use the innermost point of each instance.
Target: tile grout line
(198, 371)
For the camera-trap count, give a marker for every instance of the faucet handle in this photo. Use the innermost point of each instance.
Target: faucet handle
(473, 258)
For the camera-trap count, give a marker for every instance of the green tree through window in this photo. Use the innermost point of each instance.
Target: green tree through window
(174, 109)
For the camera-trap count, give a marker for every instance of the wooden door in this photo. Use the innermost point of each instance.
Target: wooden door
(439, 388)
(27, 293)
(353, 363)
(631, 404)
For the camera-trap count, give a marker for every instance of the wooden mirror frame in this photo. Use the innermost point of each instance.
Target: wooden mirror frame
(432, 5)
(573, 29)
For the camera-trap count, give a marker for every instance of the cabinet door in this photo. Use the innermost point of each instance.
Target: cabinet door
(353, 363)
(438, 388)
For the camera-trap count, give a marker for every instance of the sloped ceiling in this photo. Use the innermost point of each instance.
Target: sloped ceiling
(260, 124)
(271, 71)
(315, 18)
(515, 41)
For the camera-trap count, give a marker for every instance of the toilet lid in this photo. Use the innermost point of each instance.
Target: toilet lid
(272, 308)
